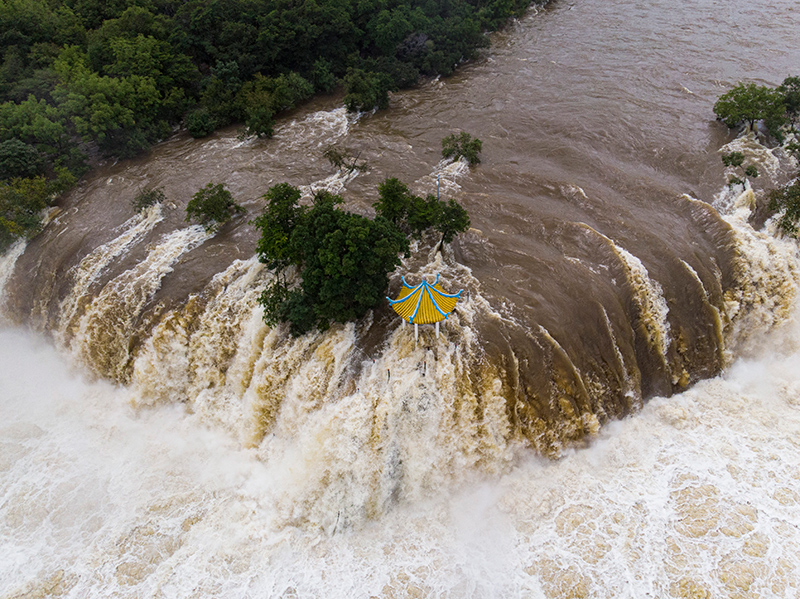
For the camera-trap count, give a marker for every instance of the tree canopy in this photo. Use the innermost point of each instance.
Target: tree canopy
(117, 76)
(462, 144)
(212, 206)
(343, 259)
(786, 201)
(750, 103)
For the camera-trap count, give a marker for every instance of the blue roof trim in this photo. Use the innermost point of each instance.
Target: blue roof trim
(419, 303)
(400, 301)
(435, 305)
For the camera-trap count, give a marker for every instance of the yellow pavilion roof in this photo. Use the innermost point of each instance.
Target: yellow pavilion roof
(425, 303)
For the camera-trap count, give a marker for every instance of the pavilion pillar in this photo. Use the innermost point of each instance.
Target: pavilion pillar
(437, 329)
(416, 332)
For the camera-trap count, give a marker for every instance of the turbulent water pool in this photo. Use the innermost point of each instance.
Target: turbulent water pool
(622, 319)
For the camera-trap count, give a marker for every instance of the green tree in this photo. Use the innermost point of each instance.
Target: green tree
(277, 224)
(750, 103)
(451, 220)
(322, 76)
(414, 215)
(263, 97)
(463, 144)
(395, 201)
(200, 123)
(22, 201)
(147, 197)
(786, 201)
(212, 206)
(736, 160)
(344, 260)
(790, 90)
(365, 90)
(18, 159)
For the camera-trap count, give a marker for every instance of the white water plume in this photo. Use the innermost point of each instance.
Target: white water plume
(768, 283)
(320, 128)
(7, 263)
(101, 338)
(696, 495)
(334, 183)
(296, 400)
(444, 177)
(90, 268)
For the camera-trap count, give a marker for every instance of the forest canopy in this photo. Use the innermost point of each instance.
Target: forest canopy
(343, 260)
(79, 76)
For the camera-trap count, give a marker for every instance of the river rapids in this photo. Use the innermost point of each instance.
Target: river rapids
(612, 411)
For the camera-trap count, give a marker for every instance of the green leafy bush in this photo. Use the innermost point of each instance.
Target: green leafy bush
(212, 206)
(200, 123)
(786, 201)
(148, 197)
(736, 160)
(343, 259)
(463, 144)
(413, 214)
(22, 201)
(365, 90)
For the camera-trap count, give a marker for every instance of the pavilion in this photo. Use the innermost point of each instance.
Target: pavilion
(424, 304)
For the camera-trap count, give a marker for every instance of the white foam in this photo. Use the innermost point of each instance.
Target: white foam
(90, 268)
(696, 493)
(101, 338)
(8, 261)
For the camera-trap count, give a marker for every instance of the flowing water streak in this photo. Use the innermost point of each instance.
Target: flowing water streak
(632, 381)
(204, 352)
(102, 336)
(767, 284)
(7, 263)
(698, 495)
(90, 268)
(719, 327)
(444, 178)
(649, 297)
(340, 429)
(323, 127)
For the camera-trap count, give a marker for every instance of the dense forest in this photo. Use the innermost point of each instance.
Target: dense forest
(83, 78)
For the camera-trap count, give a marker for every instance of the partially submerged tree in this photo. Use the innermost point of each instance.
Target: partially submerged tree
(22, 202)
(147, 197)
(414, 214)
(463, 144)
(365, 90)
(749, 103)
(344, 158)
(343, 259)
(790, 90)
(736, 160)
(786, 201)
(212, 206)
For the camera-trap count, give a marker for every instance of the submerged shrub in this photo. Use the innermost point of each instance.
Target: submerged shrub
(787, 202)
(212, 206)
(146, 198)
(455, 146)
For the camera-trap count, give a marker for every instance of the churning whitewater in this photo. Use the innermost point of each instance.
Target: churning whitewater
(612, 410)
(697, 495)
